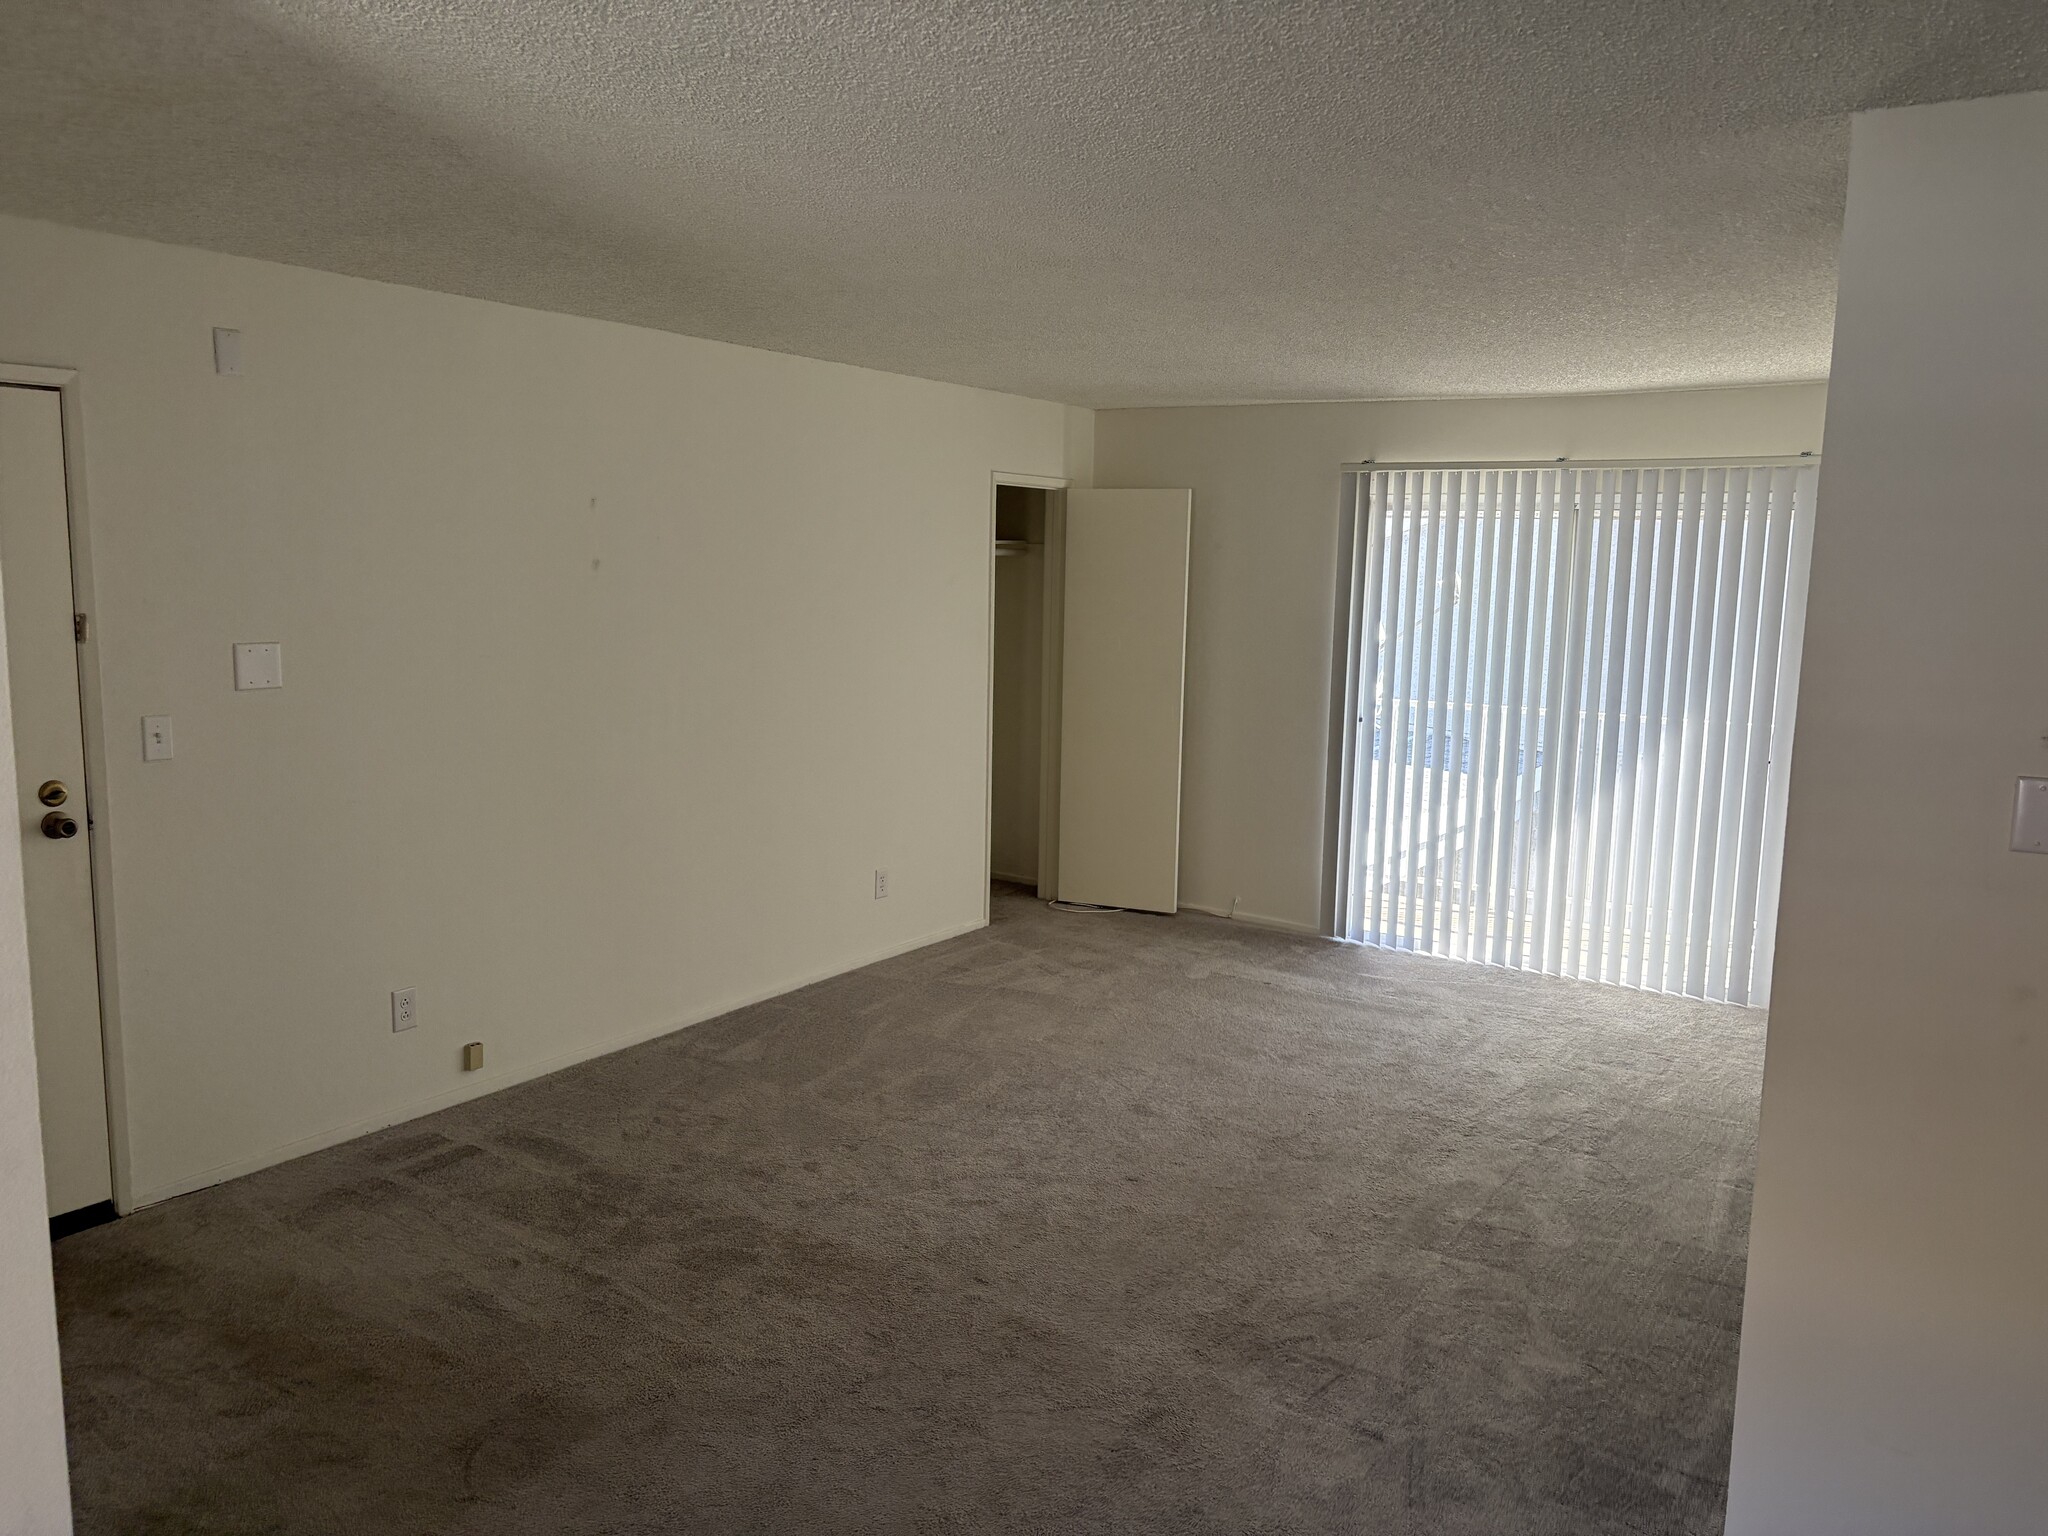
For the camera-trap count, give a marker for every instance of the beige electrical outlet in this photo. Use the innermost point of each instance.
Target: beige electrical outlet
(473, 1056)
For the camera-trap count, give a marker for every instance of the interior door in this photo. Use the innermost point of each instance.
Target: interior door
(1122, 681)
(49, 771)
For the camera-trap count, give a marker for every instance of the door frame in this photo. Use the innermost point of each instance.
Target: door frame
(69, 385)
(1053, 585)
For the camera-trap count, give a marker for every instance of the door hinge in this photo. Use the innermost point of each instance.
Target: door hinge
(81, 627)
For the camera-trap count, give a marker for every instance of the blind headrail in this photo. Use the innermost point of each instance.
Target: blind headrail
(1700, 461)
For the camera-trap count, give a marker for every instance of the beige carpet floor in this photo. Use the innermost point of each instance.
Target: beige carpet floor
(1075, 1224)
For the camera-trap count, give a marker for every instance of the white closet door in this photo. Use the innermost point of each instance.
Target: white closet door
(1122, 680)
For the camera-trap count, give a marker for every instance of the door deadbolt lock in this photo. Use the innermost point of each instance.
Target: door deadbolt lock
(53, 792)
(60, 826)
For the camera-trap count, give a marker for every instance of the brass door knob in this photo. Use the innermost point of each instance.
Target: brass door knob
(58, 825)
(53, 792)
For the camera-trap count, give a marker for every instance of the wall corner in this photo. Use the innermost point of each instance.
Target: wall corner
(1080, 446)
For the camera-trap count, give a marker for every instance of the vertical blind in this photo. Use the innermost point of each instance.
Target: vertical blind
(1571, 694)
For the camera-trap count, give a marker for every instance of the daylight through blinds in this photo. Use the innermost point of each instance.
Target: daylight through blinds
(1572, 692)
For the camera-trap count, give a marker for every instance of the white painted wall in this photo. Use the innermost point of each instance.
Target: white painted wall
(1895, 1337)
(1262, 599)
(1080, 467)
(35, 1489)
(617, 662)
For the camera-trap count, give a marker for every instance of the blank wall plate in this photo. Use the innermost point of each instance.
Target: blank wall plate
(2030, 817)
(227, 350)
(260, 665)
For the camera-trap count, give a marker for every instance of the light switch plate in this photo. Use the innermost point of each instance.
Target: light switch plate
(156, 738)
(2030, 817)
(259, 666)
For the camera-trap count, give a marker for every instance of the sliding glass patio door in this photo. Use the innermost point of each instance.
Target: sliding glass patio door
(1570, 692)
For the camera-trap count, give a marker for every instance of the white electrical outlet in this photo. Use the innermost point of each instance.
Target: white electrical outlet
(881, 884)
(404, 1010)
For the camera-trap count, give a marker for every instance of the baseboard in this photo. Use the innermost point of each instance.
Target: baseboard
(511, 1077)
(1257, 920)
(1030, 880)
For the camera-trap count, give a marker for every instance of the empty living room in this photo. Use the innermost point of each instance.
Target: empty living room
(1146, 767)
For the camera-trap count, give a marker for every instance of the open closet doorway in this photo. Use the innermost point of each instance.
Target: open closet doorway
(1028, 528)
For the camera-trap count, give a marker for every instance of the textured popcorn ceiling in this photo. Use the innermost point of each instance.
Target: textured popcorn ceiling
(1119, 202)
